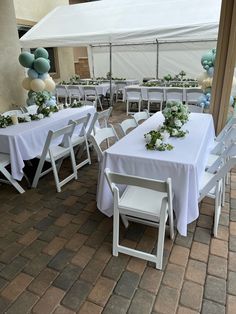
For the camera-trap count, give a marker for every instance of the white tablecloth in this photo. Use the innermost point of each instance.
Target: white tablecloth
(25, 141)
(185, 164)
(144, 90)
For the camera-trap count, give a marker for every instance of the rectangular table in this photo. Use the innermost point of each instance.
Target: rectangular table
(25, 141)
(185, 164)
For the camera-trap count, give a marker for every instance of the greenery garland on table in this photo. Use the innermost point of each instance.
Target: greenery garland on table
(176, 115)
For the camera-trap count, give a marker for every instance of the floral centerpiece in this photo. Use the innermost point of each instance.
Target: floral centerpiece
(176, 115)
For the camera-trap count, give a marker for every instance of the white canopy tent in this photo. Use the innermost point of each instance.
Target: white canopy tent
(122, 22)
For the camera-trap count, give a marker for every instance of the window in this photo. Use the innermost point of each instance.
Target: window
(53, 56)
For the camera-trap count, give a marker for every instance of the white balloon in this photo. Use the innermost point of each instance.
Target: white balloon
(26, 83)
(37, 85)
(49, 85)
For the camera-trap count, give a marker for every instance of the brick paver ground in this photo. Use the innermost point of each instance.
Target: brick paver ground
(55, 256)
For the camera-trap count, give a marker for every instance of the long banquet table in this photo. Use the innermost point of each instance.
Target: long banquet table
(185, 164)
(25, 141)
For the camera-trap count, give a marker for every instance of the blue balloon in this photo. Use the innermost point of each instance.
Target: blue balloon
(33, 74)
(208, 95)
(51, 102)
(207, 103)
(210, 71)
(231, 100)
(43, 76)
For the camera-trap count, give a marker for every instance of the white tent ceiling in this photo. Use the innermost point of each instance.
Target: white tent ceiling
(122, 21)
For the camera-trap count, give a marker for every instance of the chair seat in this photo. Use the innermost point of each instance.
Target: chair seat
(57, 151)
(142, 201)
(4, 159)
(77, 140)
(205, 179)
(211, 159)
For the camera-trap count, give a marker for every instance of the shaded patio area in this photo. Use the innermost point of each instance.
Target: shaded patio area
(55, 255)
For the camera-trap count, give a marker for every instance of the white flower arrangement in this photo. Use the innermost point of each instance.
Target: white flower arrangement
(176, 115)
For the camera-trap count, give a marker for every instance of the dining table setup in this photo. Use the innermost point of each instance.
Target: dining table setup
(25, 141)
(184, 164)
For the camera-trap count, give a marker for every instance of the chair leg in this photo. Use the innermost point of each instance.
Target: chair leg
(217, 210)
(116, 228)
(37, 174)
(160, 243)
(11, 180)
(55, 173)
(73, 163)
(127, 107)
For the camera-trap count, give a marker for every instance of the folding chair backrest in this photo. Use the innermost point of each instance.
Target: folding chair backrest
(142, 115)
(74, 90)
(66, 131)
(125, 179)
(100, 136)
(155, 94)
(103, 117)
(90, 90)
(61, 91)
(195, 108)
(126, 125)
(220, 174)
(82, 122)
(174, 94)
(12, 112)
(226, 128)
(228, 152)
(133, 93)
(193, 95)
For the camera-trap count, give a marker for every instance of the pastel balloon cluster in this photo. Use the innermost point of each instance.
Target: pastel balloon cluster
(206, 78)
(38, 79)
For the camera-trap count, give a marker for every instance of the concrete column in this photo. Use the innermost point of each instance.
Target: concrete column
(11, 72)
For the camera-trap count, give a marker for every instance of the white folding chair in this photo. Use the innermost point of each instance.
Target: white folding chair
(102, 135)
(126, 125)
(212, 185)
(142, 115)
(53, 153)
(80, 139)
(145, 201)
(31, 109)
(17, 112)
(74, 93)
(120, 88)
(155, 95)
(90, 93)
(4, 162)
(193, 95)
(195, 108)
(174, 94)
(133, 95)
(61, 92)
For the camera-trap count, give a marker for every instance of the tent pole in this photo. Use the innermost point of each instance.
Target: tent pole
(111, 95)
(157, 65)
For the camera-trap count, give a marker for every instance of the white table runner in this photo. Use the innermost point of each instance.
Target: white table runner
(25, 141)
(185, 164)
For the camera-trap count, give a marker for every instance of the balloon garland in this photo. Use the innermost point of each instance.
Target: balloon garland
(206, 78)
(39, 83)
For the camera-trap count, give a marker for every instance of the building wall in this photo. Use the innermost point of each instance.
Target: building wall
(31, 11)
(11, 73)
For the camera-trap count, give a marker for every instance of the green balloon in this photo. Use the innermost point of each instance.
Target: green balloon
(213, 59)
(41, 65)
(41, 53)
(26, 59)
(207, 57)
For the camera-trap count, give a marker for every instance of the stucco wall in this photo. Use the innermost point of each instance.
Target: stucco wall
(33, 11)
(11, 73)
